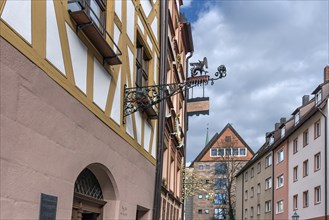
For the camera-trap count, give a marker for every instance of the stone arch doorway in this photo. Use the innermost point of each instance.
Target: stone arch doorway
(92, 189)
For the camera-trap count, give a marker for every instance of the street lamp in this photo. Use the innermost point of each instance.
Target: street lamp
(295, 216)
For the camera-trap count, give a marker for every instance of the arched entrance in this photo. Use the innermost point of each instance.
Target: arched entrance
(88, 201)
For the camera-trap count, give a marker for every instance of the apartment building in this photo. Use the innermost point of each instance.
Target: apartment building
(298, 175)
(180, 44)
(216, 166)
(70, 149)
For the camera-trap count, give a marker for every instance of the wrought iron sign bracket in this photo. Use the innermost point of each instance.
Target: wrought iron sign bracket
(146, 98)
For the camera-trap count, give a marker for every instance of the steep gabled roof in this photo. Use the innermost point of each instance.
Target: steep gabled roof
(215, 138)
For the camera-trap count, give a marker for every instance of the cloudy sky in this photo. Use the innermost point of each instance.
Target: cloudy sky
(274, 52)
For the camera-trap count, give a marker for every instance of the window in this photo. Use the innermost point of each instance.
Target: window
(207, 196)
(142, 66)
(295, 146)
(317, 129)
(199, 211)
(251, 211)
(228, 151)
(268, 183)
(213, 152)
(235, 151)
(317, 195)
(228, 139)
(317, 162)
(271, 141)
(200, 196)
(219, 213)
(243, 152)
(246, 195)
(268, 206)
(280, 156)
(305, 168)
(268, 160)
(297, 116)
(305, 199)
(295, 202)
(305, 138)
(258, 209)
(279, 206)
(246, 214)
(258, 188)
(283, 131)
(279, 181)
(318, 97)
(259, 167)
(252, 172)
(295, 174)
(220, 198)
(206, 211)
(220, 183)
(220, 168)
(252, 192)
(200, 167)
(207, 167)
(246, 176)
(220, 152)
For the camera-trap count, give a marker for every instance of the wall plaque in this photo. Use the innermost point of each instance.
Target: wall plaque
(48, 207)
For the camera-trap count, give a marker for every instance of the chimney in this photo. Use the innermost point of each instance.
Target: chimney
(277, 125)
(282, 120)
(267, 137)
(326, 73)
(306, 98)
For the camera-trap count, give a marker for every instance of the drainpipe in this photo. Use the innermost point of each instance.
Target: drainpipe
(325, 165)
(163, 79)
(185, 127)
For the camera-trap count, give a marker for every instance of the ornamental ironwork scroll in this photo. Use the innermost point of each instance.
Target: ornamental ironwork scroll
(146, 98)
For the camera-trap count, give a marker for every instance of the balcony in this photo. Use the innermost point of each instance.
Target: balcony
(87, 20)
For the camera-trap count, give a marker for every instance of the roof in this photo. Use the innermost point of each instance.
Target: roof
(215, 138)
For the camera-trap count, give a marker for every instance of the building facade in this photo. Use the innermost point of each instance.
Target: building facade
(175, 125)
(69, 150)
(298, 175)
(215, 167)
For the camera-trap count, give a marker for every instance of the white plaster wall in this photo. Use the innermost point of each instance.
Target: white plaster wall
(18, 15)
(131, 21)
(116, 35)
(140, 25)
(116, 105)
(138, 120)
(147, 135)
(102, 80)
(155, 60)
(155, 141)
(53, 44)
(118, 8)
(154, 27)
(314, 178)
(131, 66)
(79, 56)
(129, 124)
(149, 42)
(147, 7)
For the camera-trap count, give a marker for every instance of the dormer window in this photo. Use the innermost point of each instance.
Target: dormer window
(271, 140)
(318, 97)
(283, 131)
(297, 117)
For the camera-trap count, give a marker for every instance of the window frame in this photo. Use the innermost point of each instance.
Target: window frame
(280, 156)
(279, 207)
(268, 161)
(295, 174)
(295, 145)
(306, 199)
(268, 206)
(317, 129)
(295, 202)
(317, 195)
(268, 183)
(279, 181)
(259, 188)
(317, 162)
(306, 138)
(305, 168)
